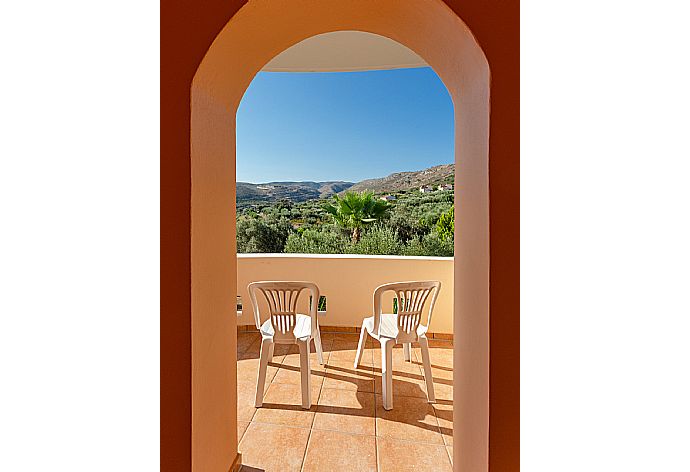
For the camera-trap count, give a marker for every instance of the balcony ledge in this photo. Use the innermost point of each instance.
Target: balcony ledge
(348, 281)
(282, 255)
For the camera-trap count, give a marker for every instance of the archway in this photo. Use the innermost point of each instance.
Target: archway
(257, 33)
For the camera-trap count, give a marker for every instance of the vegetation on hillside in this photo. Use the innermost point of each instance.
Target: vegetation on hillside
(414, 224)
(270, 192)
(444, 173)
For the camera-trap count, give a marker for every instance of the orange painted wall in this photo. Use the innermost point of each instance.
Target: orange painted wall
(348, 282)
(259, 31)
(187, 30)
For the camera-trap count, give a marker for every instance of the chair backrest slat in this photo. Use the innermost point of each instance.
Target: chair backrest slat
(281, 298)
(410, 299)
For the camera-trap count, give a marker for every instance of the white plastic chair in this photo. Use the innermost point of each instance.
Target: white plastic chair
(403, 327)
(285, 326)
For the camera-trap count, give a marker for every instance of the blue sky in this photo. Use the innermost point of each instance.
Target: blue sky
(342, 125)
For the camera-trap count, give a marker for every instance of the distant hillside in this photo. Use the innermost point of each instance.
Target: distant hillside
(296, 192)
(248, 193)
(408, 180)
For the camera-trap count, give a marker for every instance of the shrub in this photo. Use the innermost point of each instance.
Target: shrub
(378, 240)
(262, 235)
(429, 245)
(445, 226)
(312, 241)
(405, 229)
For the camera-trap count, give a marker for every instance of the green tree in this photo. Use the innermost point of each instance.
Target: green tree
(378, 240)
(312, 241)
(355, 210)
(445, 226)
(256, 235)
(429, 245)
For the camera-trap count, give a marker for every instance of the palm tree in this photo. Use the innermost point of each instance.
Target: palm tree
(354, 210)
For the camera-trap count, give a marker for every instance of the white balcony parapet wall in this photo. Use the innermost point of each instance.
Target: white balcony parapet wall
(348, 281)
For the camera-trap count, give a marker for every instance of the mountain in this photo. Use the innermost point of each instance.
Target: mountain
(270, 192)
(408, 180)
(294, 191)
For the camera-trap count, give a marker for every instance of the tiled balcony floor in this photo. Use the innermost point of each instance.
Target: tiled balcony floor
(347, 428)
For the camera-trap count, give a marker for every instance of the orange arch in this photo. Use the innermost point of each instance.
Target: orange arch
(258, 32)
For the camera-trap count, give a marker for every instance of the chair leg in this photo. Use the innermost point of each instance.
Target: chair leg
(270, 351)
(428, 376)
(266, 350)
(407, 348)
(305, 371)
(360, 346)
(317, 344)
(387, 372)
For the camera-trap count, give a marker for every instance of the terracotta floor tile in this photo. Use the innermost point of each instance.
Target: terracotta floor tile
(248, 370)
(326, 345)
(440, 356)
(346, 357)
(241, 428)
(442, 375)
(443, 391)
(294, 348)
(444, 416)
(333, 451)
(281, 350)
(293, 376)
(398, 357)
(442, 343)
(347, 411)
(403, 387)
(441, 369)
(246, 393)
(328, 337)
(249, 356)
(344, 376)
(245, 340)
(253, 350)
(350, 343)
(408, 378)
(283, 405)
(411, 419)
(345, 352)
(345, 338)
(439, 373)
(273, 448)
(399, 362)
(400, 456)
(438, 343)
(293, 359)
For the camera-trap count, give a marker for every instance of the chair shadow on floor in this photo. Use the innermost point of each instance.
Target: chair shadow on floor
(341, 391)
(374, 374)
